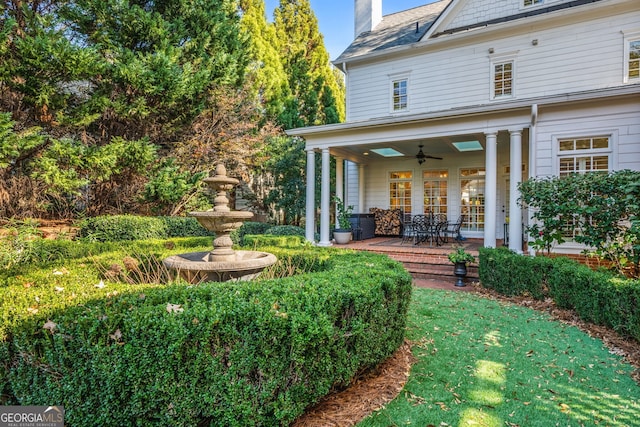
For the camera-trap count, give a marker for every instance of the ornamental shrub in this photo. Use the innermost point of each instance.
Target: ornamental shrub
(249, 227)
(286, 241)
(112, 228)
(235, 354)
(598, 210)
(285, 230)
(599, 297)
(511, 274)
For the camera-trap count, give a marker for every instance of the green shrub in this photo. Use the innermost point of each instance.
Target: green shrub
(179, 226)
(285, 230)
(598, 297)
(109, 228)
(247, 353)
(512, 274)
(113, 228)
(251, 240)
(249, 227)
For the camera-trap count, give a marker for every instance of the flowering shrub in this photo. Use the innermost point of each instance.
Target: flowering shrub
(601, 211)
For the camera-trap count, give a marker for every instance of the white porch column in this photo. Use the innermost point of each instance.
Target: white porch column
(515, 212)
(491, 190)
(310, 220)
(361, 188)
(325, 204)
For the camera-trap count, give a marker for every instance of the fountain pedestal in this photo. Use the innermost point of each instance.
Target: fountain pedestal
(223, 263)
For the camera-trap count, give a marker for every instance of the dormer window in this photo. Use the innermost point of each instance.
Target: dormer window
(400, 95)
(528, 3)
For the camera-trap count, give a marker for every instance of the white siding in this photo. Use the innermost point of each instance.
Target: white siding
(562, 62)
(485, 10)
(622, 121)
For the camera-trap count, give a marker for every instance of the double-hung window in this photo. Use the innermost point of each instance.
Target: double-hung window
(586, 154)
(631, 56)
(503, 75)
(503, 79)
(400, 95)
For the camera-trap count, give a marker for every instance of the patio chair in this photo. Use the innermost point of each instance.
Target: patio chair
(453, 229)
(440, 224)
(408, 229)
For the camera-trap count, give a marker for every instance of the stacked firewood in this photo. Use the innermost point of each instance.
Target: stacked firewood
(388, 221)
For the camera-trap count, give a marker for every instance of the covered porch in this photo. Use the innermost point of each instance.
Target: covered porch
(452, 165)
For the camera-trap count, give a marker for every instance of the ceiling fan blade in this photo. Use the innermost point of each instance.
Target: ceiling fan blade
(433, 157)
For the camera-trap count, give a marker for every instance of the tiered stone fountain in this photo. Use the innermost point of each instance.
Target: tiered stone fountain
(222, 263)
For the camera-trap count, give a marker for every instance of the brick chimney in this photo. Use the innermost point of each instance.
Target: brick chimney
(368, 14)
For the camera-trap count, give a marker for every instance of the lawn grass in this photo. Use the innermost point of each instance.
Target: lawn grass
(488, 363)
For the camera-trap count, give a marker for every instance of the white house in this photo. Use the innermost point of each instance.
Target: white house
(500, 90)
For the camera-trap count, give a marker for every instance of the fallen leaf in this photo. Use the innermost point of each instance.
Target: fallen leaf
(174, 308)
(564, 408)
(100, 285)
(50, 326)
(32, 310)
(58, 289)
(117, 335)
(60, 272)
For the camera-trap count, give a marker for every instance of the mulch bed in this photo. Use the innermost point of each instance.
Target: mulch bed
(364, 396)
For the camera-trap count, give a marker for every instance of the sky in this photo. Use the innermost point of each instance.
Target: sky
(335, 18)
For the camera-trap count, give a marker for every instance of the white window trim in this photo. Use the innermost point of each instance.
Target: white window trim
(572, 247)
(497, 59)
(396, 77)
(628, 37)
(524, 6)
(612, 151)
(543, 3)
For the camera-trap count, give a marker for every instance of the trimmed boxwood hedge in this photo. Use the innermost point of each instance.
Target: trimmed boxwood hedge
(236, 354)
(110, 228)
(598, 297)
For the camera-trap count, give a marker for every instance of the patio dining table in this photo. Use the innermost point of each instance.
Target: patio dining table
(429, 228)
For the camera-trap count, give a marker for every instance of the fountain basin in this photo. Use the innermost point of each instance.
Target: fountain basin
(195, 267)
(221, 221)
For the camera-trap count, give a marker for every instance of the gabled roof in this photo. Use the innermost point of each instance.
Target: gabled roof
(411, 26)
(396, 29)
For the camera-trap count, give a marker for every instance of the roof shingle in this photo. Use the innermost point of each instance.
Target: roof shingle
(396, 29)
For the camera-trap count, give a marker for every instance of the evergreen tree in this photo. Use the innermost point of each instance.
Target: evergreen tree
(265, 72)
(317, 95)
(130, 68)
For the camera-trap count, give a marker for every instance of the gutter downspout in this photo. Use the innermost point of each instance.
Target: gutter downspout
(343, 68)
(532, 159)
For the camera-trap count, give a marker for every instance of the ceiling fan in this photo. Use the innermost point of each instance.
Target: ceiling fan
(423, 157)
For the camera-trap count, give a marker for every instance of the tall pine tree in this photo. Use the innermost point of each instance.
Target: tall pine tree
(265, 72)
(317, 94)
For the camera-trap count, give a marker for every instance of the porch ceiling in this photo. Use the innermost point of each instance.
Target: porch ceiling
(439, 147)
